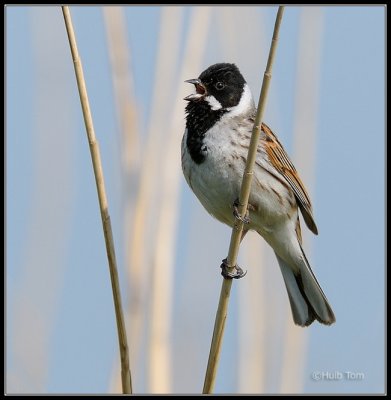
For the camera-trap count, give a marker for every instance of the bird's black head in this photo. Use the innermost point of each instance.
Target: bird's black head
(221, 85)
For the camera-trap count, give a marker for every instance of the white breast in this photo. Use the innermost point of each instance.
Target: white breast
(216, 181)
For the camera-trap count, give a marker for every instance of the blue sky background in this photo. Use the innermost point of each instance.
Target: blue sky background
(56, 269)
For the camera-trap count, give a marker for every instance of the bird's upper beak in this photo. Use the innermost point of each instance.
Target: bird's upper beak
(200, 90)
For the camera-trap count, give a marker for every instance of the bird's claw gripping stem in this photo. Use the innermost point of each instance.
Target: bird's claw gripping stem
(229, 273)
(245, 219)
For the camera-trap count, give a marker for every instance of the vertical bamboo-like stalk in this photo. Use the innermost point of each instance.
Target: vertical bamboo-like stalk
(251, 371)
(125, 104)
(104, 209)
(304, 150)
(237, 230)
(170, 172)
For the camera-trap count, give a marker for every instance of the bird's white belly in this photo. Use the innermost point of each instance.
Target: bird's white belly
(216, 183)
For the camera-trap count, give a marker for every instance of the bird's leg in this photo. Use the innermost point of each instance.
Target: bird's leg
(246, 218)
(236, 272)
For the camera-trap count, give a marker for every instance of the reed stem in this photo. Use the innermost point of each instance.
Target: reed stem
(98, 172)
(237, 230)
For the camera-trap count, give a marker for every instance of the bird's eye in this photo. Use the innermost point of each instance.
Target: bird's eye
(219, 85)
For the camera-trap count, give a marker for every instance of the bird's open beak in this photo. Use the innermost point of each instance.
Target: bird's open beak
(200, 90)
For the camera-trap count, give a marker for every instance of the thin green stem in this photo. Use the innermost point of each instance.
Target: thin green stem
(237, 230)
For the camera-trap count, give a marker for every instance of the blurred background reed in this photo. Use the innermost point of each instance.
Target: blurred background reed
(327, 106)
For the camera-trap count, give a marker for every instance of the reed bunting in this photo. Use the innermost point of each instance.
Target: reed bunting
(219, 122)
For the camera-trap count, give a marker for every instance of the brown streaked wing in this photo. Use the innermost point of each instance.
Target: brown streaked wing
(284, 166)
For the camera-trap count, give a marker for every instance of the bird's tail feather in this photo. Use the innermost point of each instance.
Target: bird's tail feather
(308, 302)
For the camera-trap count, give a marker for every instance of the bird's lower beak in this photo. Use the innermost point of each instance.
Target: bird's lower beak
(200, 90)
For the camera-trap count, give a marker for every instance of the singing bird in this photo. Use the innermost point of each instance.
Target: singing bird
(219, 121)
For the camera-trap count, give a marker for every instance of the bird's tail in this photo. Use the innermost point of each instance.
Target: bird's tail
(308, 302)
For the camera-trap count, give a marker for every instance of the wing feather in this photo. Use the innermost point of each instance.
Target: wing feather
(284, 166)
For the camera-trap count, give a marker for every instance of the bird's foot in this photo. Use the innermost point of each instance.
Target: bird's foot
(246, 218)
(231, 273)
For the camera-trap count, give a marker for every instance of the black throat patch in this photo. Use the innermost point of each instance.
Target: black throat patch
(200, 118)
